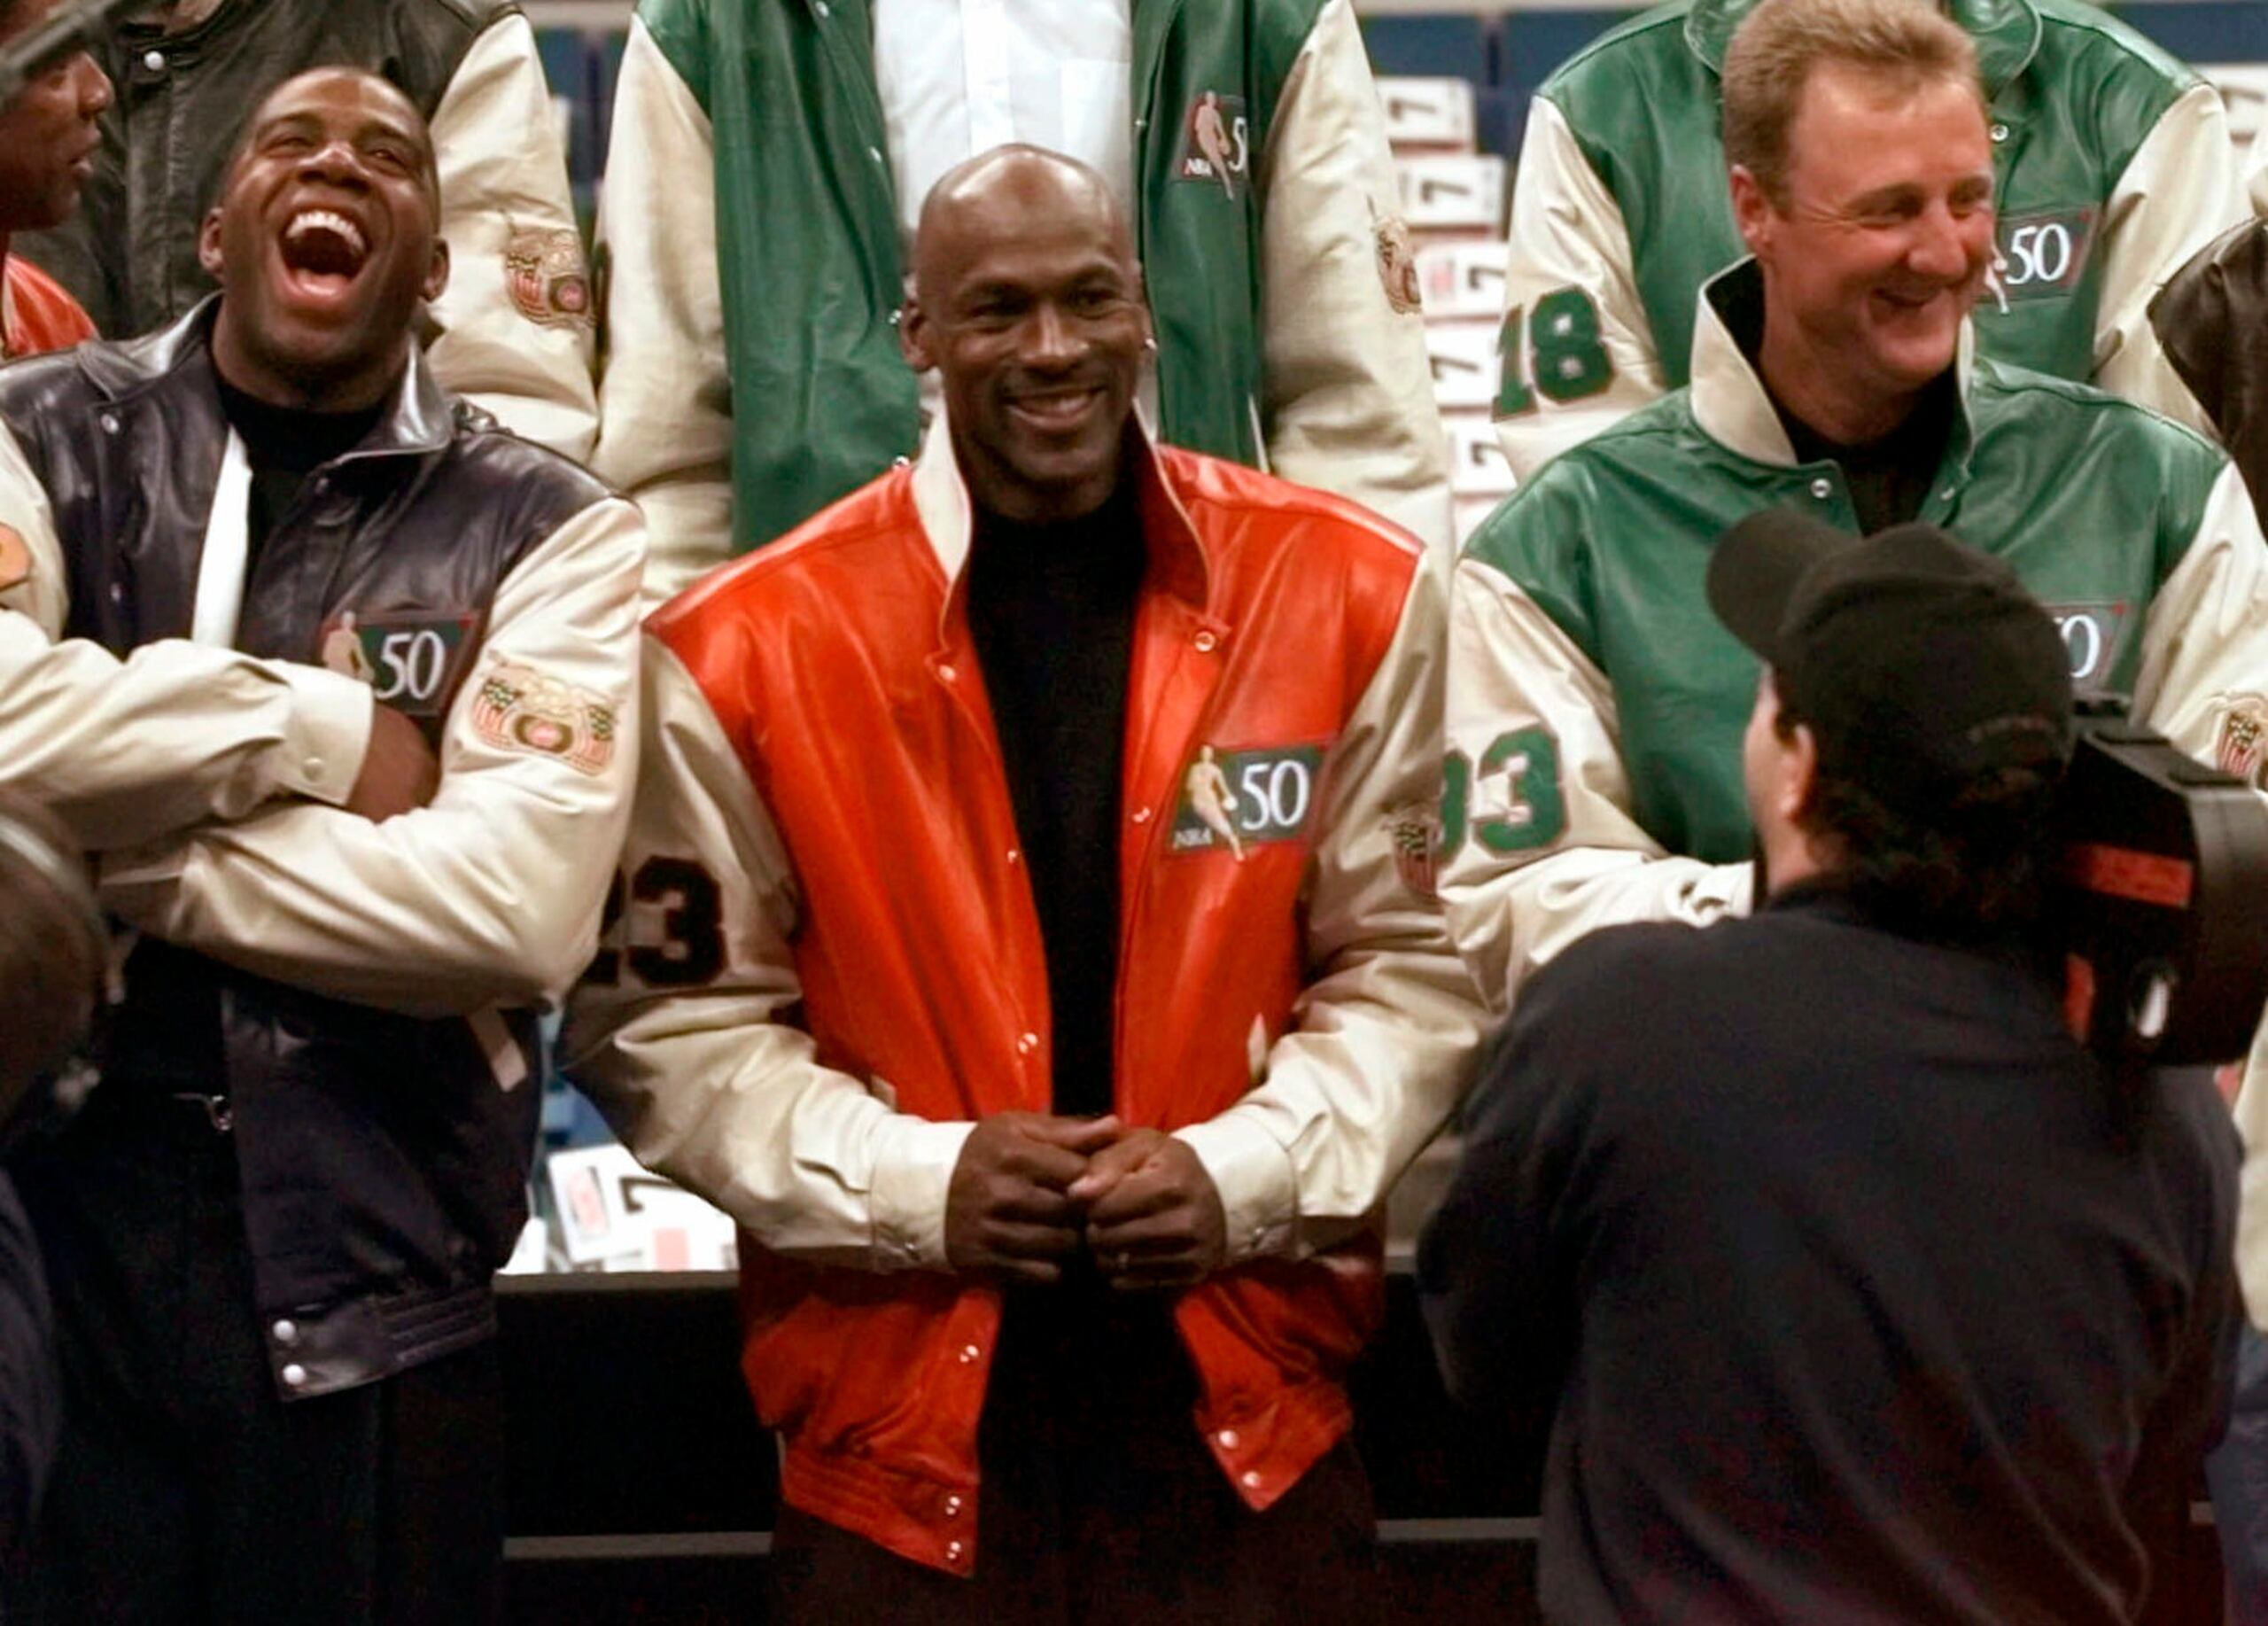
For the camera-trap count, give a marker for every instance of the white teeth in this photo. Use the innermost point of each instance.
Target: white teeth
(310, 219)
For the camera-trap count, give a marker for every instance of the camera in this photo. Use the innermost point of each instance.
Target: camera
(2162, 911)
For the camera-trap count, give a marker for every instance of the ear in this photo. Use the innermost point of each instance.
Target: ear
(436, 272)
(1798, 775)
(208, 244)
(914, 335)
(1752, 211)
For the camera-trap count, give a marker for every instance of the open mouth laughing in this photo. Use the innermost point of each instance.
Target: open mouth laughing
(323, 251)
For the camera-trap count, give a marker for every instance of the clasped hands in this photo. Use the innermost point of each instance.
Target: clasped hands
(1032, 1190)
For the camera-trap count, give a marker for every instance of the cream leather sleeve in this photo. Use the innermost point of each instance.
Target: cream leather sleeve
(1567, 233)
(665, 400)
(2205, 640)
(1349, 392)
(1547, 849)
(701, 1072)
(490, 895)
(175, 734)
(1384, 1036)
(2179, 191)
(516, 320)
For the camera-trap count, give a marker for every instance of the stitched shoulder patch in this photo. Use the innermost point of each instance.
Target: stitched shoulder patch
(521, 709)
(2241, 744)
(549, 284)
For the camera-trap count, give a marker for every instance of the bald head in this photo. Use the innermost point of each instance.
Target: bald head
(1027, 302)
(1012, 189)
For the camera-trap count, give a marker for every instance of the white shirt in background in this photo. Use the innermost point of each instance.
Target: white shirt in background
(960, 77)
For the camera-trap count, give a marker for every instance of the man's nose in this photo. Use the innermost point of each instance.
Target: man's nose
(1053, 341)
(1950, 245)
(95, 92)
(336, 161)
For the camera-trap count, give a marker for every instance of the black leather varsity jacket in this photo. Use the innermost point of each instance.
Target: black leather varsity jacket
(363, 995)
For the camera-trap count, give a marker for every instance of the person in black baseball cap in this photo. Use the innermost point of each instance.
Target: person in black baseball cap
(1912, 723)
(1853, 1285)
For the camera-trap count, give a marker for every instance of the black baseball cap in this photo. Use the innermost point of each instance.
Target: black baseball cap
(1919, 663)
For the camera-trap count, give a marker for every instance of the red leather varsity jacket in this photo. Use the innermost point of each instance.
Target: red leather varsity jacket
(829, 964)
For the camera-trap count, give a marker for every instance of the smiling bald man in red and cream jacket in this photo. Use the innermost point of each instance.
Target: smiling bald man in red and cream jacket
(1030, 941)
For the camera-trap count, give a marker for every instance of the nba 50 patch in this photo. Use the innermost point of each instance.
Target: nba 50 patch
(2040, 256)
(412, 659)
(1237, 800)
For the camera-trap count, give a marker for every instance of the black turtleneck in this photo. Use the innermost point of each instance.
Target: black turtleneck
(1889, 479)
(1050, 608)
(285, 444)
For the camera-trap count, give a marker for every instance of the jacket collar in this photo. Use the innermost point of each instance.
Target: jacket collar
(419, 420)
(1178, 564)
(2006, 33)
(1729, 397)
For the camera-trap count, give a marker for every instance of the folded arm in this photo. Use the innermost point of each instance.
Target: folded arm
(491, 894)
(127, 751)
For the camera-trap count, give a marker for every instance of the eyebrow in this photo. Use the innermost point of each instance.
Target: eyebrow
(373, 126)
(1900, 192)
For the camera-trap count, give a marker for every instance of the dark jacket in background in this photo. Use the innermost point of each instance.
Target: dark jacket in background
(129, 254)
(2212, 320)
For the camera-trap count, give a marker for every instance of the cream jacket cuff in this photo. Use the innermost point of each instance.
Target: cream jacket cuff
(1258, 1185)
(914, 1160)
(331, 732)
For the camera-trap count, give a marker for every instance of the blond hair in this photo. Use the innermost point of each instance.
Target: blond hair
(1908, 43)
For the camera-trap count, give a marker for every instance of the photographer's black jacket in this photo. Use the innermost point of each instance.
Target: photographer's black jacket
(1863, 1292)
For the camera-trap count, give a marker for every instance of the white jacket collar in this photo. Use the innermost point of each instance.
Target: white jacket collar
(1729, 399)
(941, 499)
(1179, 561)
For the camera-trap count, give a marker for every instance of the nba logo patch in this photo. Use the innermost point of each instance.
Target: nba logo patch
(1216, 143)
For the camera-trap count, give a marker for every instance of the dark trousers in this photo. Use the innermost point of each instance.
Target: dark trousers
(186, 1492)
(1100, 1503)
